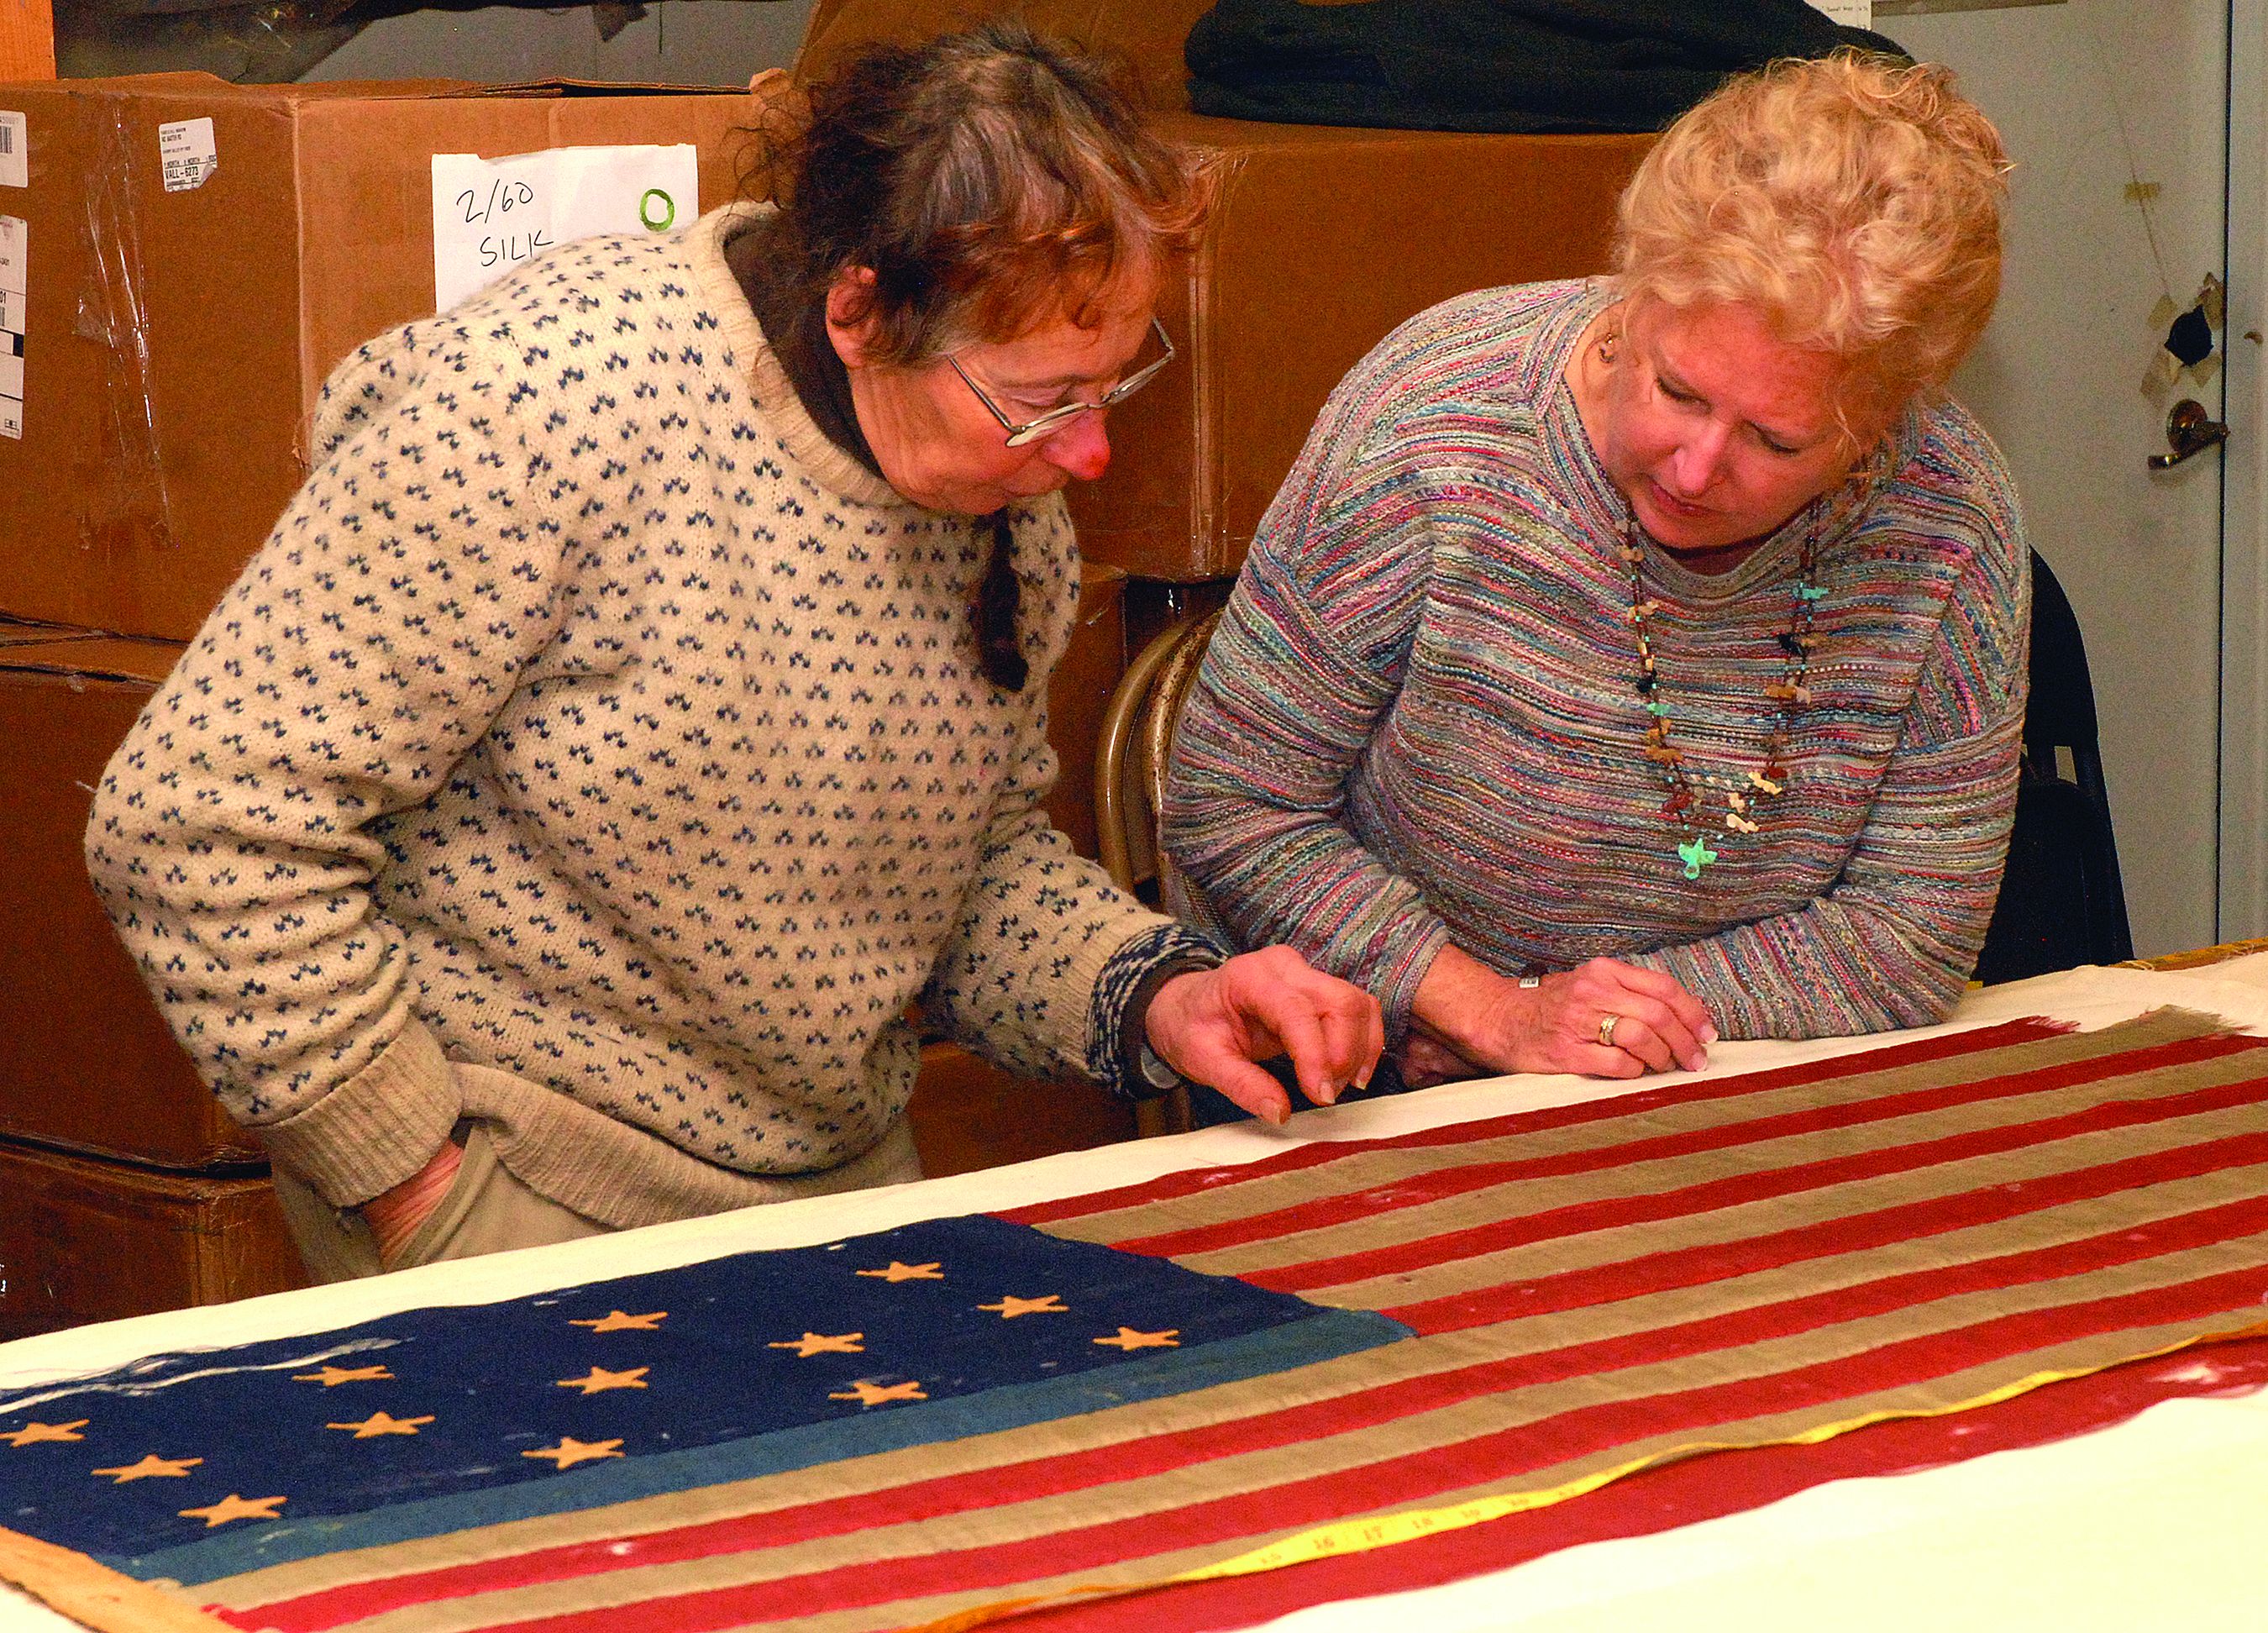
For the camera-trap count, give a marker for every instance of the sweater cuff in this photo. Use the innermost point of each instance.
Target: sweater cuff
(374, 1130)
(1122, 1000)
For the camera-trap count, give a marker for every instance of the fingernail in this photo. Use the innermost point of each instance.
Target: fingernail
(1708, 1033)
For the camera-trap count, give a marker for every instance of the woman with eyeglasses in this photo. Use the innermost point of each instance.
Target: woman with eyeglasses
(1633, 662)
(642, 707)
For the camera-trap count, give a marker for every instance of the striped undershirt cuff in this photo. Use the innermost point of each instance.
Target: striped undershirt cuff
(1111, 1055)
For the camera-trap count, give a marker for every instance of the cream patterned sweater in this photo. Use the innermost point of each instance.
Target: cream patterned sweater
(596, 748)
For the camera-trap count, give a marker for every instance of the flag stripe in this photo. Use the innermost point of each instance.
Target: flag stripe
(1822, 1209)
(1042, 1477)
(1980, 1044)
(1734, 1189)
(1719, 1262)
(1363, 1202)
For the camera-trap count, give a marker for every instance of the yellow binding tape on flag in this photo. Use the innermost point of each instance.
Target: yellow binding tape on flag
(95, 1595)
(1409, 1525)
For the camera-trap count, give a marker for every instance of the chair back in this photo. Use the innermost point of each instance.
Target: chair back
(2062, 900)
(1135, 751)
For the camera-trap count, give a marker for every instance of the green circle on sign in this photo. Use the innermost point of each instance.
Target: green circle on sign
(668, 210)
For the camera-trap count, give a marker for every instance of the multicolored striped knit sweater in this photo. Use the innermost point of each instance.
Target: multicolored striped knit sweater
(1419, 721)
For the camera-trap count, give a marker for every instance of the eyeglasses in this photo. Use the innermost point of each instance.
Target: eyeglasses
(1055, 419)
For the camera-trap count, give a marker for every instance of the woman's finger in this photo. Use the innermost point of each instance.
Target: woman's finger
(1597, 1060)
(1252, 1089)
(1298, 1025)
(1634, 1035)
(1680, 1048)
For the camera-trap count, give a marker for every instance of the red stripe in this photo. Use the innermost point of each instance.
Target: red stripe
(1418, 1190)
(1672, 1495)
(1101, 1465)
(1416, 1477)
(1189, 1182)
(1576, 1218)
(1716, 1261)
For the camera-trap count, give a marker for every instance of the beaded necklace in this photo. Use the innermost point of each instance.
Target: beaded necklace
(1744, 796)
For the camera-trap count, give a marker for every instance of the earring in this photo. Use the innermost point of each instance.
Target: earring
(1609, 343)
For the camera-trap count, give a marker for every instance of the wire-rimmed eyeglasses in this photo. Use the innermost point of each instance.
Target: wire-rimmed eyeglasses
(1055, 419)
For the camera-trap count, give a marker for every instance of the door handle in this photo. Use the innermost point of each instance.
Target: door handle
(2188, 432)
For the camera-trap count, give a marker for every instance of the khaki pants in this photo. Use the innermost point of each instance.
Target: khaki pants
(485, 1210)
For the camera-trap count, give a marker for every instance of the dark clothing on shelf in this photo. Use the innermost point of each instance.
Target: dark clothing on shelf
(1504, 65)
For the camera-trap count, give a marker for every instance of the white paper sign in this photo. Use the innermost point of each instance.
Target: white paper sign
(189, 154)
(14, 236)
(490, 214)
(13, 231)
(15, 151)
(1850, 13)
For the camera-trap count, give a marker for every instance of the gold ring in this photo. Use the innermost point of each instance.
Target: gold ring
(1606, 1024)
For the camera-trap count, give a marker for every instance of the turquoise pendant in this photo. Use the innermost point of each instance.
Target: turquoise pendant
(1695, 854)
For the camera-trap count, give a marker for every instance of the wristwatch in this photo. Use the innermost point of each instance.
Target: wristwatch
(1155, 1072)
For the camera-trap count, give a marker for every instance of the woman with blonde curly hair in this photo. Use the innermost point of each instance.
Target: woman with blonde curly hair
(1631, 663)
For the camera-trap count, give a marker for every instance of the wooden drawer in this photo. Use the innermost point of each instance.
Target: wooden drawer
(87, 1241)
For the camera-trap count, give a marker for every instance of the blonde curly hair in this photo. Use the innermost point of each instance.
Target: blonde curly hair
(1854, 200)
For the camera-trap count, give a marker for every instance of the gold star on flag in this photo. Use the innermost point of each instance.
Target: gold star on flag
(151, 1467)
(569, 1451)
(31, 1434)
(821, 1344)
(235, 1507)
(1011, 1306)
(601, 1378)
(1129, 1340)
(897, 1272)
(617, 1321)
(332, 1377)
(875, 1395)
(379, 1423)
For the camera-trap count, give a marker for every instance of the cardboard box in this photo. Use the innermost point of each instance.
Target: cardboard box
(81, 1240)
(1326, 238)
(174, 338)
(85, 1060)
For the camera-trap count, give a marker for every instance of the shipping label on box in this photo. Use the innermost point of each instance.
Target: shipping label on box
(491, 215)
(186, 154)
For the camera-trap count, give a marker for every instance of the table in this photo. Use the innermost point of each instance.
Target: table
(2166, 1514)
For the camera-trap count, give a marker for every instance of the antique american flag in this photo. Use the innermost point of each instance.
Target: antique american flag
(1435, 1353)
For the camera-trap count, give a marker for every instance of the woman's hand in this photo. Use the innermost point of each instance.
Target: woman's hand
(1561, 1024)
(393, 1216)
(1213, 1026)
